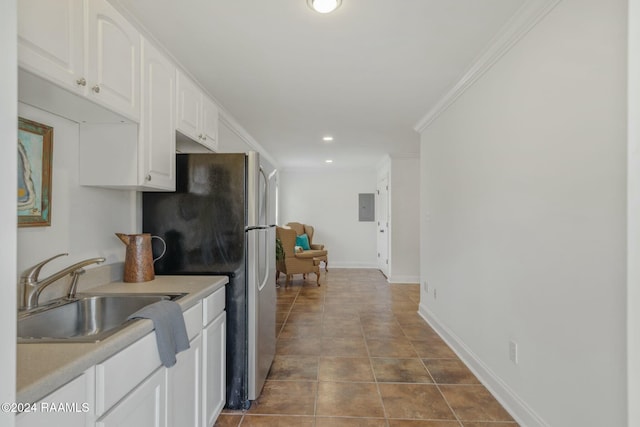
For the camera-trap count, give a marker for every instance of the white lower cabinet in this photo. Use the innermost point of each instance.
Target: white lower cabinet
(133, 389)
(214, 357)
(144, 407)
(77, 410)
(184, 381)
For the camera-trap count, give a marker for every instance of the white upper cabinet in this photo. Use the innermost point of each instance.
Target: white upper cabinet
(157, 132)
(113, 51)
(84, 46)
(209, 123)
(197, 115)
(51, 41)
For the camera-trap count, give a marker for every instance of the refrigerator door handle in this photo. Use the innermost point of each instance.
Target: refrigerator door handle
(258, 227)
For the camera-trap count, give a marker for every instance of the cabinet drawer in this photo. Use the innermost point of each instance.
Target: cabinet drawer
(121, 373)
(193, 320)
(213, 305)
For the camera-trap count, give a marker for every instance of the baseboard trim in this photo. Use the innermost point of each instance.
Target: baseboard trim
(519, 410)
(348, 265)
(412, 280)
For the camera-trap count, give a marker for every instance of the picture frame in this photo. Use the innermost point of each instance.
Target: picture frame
(35, 154)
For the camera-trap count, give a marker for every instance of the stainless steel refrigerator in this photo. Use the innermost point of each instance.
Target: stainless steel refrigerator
(219, 221)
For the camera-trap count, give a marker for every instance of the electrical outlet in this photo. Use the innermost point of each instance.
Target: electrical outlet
(513, 352)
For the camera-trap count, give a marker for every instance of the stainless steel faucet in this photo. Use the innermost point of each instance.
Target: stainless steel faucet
(32, 287)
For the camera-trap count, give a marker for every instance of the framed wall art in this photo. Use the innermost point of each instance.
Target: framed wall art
(35, 145)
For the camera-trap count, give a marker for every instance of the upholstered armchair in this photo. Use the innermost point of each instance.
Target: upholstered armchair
(315, 249)
(294, 262)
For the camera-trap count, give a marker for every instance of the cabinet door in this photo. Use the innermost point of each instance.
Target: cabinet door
(157, 138)
(184, 387)
(209, 124)
(189, 114)
(143, 407)
(78, 393)
(114, 60)
(51, 41)
(214, 369)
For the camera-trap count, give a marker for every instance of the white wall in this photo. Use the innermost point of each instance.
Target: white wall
(523, 221)
(8, 185)
(633, 217)
(404, 184)
(83, 219)
(328, 200)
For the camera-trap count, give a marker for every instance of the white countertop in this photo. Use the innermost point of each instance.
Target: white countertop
(42, 368)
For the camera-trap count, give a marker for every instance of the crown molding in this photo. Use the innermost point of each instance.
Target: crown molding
(225, 117)
(517, 27)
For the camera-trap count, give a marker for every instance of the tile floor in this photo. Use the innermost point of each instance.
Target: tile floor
(354, 353)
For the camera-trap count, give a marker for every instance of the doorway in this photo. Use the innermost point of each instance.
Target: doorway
(382, 222)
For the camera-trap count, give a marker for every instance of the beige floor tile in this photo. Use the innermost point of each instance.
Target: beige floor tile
(400, 370)
(304, 317)
(422, 423)
(286, 398)
(277, 421)
(294, 368)
(293, 330)
(414, 401)
(350, 422)
(354, 351)
(344, 346)
(391, 347)
(433, 348)
(225, 420)
(450, 371)
(355, 369)
(299, 346)
(382, 329)
(474, 403)
(344, 399)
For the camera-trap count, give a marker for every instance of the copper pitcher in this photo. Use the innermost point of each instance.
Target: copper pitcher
(138, 260)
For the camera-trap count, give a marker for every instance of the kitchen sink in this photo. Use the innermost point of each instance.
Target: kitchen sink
(86, 318)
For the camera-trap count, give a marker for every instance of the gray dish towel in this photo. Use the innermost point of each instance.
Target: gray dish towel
(171, 332)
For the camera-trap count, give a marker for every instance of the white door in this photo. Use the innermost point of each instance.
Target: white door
(382, 222)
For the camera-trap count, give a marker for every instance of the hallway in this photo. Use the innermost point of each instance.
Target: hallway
(354, 352)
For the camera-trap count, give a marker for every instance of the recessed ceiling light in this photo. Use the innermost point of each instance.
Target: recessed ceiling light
(324, 6)
(328, 161)
(327, 138)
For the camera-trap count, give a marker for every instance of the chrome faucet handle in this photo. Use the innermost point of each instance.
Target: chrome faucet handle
(30, 275)
(75, 276)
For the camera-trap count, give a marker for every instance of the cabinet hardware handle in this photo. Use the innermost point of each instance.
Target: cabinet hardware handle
(81, 81)
(204, 138)
(200, 136)
(96, 89)
(148, 177)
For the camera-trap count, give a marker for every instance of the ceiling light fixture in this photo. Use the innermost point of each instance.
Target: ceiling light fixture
(328, 161)
(327, 138)
(324, 6)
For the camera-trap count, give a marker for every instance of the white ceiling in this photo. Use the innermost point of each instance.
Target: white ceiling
(365, 74)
